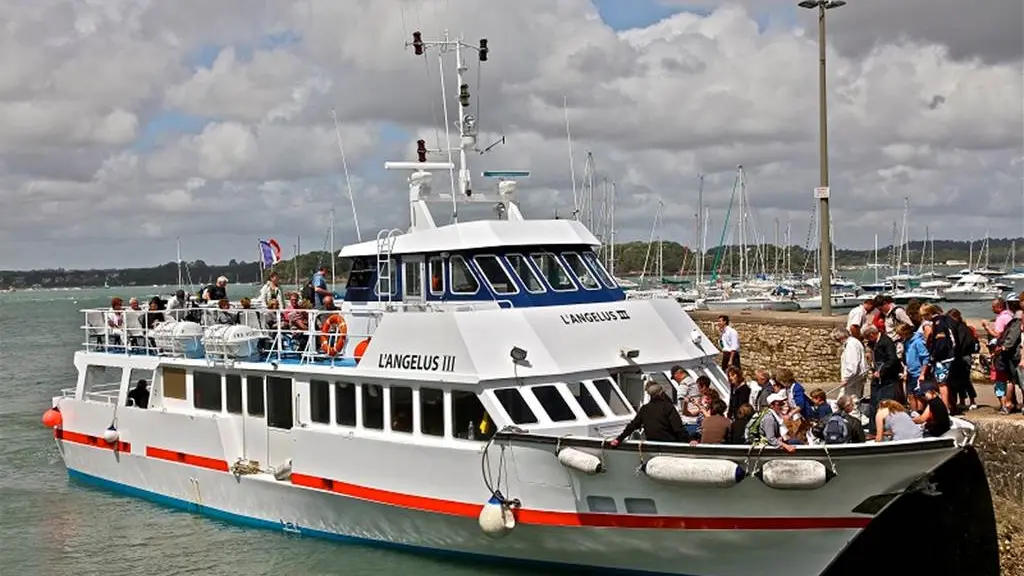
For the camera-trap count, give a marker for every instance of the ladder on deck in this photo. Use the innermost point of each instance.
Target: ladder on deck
(385, 244)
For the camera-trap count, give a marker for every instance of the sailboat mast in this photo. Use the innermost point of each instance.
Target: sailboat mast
(177, 243)
(334, 274)
(700, 230)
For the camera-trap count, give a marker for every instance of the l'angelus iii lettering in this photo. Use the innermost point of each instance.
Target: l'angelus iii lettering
(591, 317)
(424, 362)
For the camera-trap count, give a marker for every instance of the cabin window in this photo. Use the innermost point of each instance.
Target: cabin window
(233, 396)
(103, 381)
(582, 395)
(320, 401)
(552, 269)
(206, 392)
(386, 277)
(280, 406)
(610, 393)
(361, 275)
(432, 411)
(254, 396)
(436, 276)
(599, 269)
(462, 279)
(470, 420)
(373, 406)
(553, 403)
(345, 404)
(527, 275)
(401, 409)
(173, 383)
(580, 270)
(496, 275)
(412, 283)
(515, 406)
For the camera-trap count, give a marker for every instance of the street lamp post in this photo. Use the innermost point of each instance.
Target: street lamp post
(822, 193)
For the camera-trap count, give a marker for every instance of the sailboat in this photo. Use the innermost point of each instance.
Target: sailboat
(1015, 273)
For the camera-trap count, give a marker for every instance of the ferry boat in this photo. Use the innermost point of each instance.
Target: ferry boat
(460, 402)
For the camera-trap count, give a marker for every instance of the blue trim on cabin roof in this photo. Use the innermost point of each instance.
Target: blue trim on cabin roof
(261, 524)
(522, 299)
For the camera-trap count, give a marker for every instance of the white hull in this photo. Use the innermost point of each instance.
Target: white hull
(838, 303)
(969, 296)
(744, 304)
(428, 498)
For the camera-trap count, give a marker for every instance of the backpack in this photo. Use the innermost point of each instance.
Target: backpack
(753, 433)
(836, 430)
(308, 292)
(941, 348)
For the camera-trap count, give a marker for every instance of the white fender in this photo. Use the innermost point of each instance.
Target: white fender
(284, 471)
(580, 461)
(702, 472)
(111, 435)
(496, 519)
(794, 474)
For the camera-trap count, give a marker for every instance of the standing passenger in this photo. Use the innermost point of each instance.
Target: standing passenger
(659, 419)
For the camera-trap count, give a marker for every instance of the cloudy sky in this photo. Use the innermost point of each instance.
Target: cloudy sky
(127, 123)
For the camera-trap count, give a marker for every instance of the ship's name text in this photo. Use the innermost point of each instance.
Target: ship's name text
(424, 362)
(591, 317)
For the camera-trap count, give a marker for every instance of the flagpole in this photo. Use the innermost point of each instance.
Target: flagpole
(259, 260)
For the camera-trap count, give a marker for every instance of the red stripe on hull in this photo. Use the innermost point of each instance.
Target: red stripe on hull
(87, 440)
(590, 520)
(185, 458)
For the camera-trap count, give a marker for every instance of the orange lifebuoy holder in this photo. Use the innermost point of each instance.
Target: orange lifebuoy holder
(361, 349)
(332, 339)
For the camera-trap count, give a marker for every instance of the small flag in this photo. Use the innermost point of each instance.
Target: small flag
(270, 251)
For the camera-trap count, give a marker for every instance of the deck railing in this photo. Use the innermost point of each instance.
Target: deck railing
(283, 336)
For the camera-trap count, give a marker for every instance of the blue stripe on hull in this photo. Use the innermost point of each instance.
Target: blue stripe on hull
(259, 523)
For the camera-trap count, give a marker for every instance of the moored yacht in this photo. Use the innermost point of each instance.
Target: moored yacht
(460, 401)
(972, 287)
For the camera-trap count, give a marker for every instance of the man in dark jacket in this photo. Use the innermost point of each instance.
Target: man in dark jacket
(885, 382)
(659, 419)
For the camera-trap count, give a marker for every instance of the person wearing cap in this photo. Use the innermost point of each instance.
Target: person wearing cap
(216, 292)
(658, 418)
(770, 424)
(935, 417)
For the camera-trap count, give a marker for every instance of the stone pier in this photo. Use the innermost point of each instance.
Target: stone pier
(801, 342)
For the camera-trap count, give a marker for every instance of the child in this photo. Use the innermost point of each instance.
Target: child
(820, 408)
(738, 430)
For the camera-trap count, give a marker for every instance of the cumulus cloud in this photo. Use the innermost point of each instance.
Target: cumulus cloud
(126, 124)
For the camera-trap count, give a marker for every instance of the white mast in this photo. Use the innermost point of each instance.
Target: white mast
(334, 274)
(611, 257)
(177, 243)
(572, 167)
(700, 230)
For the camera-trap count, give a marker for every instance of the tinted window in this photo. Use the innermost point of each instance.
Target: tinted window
(432, 411)
(345, 403)
(611, 397)
(516, 408)
(320, 401)
(373, 406)
(206, 393)
(436, 276)
(552, 270)
(401, 409)
(590, 406)
(173, 382)
(599, 269)
(386, 276)
(280, 409)
(580, 270)
(462, 279)
(413, 283)
(496, 275)
(469, 419)
(254, 395)
(233, 386)
(556, 407)
(520, 267)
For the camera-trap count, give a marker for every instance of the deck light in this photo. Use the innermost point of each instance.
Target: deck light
(464, 95)
(518, 354)
(483, 50)
(421, 150)
(417, 43)
(629, 353)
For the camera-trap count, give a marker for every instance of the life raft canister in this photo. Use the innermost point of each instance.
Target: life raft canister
(361, 349)
(333, 338)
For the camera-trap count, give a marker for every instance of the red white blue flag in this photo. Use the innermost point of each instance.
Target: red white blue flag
(270, 251)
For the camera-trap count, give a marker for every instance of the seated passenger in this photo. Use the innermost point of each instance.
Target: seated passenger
(768, 428)
(716, 426)
(935, 417)
(820, 408)
(659, 419)
(896, 424)
(115, 321)
(139, 396)
(841, 427)
(224, 315)
(215, 292)
(738, 427)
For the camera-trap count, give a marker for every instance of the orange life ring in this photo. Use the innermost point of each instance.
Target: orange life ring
(334, 330)
(361, 349)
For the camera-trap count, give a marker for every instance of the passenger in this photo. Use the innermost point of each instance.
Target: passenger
(861, 316)
(139, 396)
(935, 417)
(965, 346)
(115, 317)
(224, 315)
(800, 406)
(658, 418)
(271, 290)
(916, 358)
(886, 373)
(894, 422)
(715, 428)
(768, 428)
(739, 390)
(683, 385)
(216, 292)
(850, 430)
(738, 428)
(853, 369)
(689, 403)
(765, 387)
(820, 408)
(319, 283)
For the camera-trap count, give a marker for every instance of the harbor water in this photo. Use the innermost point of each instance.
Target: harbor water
(52, 526)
